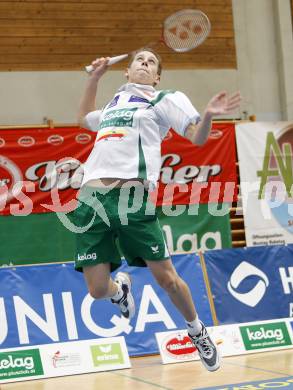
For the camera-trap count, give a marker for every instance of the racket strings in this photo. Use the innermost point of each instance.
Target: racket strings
(186, 30)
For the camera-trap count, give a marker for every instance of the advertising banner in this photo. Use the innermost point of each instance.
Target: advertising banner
(60, 359)
(35, 239)
(43, 238)
(41, 169)
(49, 304)
(193, 229)
(204, 173)
(34, 162)
(251, 284)
(231, 340)
(265, 153)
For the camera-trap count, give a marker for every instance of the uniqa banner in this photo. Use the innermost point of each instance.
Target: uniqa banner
(42, 169)
(266, 176)
(48, 304)
(251, 284)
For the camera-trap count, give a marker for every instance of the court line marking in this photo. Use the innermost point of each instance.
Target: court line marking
(142, 380)
(239, 385)
(259, 369)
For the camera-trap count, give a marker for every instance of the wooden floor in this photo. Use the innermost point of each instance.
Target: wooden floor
(148, 373)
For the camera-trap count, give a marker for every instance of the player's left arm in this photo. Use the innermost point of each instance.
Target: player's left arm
(220, 104)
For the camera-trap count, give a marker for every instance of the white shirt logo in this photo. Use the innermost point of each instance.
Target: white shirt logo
(155, 249)
(90, 256)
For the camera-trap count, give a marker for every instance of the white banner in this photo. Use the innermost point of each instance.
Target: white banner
(266, 179)
(235, 339)
(61, 359)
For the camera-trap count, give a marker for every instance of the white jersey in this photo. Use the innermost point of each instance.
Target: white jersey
(130, 130)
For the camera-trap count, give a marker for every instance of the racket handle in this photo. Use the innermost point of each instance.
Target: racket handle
(112, 61)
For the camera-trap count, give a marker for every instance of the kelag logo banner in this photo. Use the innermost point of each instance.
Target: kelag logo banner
(274, 334)
(19, 364)
(251, 284)
(49, 304)
(231, 340)
(60, 359)
(189, 233)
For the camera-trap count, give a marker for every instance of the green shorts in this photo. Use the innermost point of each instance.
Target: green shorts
(116, 223)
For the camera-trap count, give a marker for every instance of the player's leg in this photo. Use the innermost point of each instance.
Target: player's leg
(96, 251)
(146, 240)
(142, 242)
(101, 285)
(179, 293)
(99, 282)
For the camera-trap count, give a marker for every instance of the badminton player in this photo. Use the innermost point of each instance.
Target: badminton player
(122, 168)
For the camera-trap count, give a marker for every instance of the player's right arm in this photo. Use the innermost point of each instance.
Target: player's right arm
(88, 100)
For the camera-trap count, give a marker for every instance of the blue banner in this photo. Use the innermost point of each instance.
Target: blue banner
(49, 303)
(251, 284)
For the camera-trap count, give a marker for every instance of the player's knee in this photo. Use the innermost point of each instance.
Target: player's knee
(169, 283)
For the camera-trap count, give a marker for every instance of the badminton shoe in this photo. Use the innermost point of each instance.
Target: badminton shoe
(207, 350)
(126, 303)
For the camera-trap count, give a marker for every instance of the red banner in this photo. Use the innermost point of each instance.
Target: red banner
(200, 174)
(41, 169)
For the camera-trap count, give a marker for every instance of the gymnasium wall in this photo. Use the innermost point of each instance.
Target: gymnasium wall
(64, 35)
(261, 67)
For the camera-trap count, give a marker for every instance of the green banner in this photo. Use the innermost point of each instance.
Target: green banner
(33, 239)
(107, 354)
(19, 364)
(197, 227)
(41, 238)
(274, 334)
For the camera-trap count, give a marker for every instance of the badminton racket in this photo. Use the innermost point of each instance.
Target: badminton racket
(182, 31)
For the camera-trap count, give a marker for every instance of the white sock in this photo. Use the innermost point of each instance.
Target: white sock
(119, 293)
(194, 327)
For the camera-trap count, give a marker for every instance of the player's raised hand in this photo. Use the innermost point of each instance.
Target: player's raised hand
(222, 103)
(99, 67)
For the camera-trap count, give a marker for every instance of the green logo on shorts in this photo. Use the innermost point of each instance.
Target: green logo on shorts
(107, 354)
(18, 364)
(274, 334)
(118, 118)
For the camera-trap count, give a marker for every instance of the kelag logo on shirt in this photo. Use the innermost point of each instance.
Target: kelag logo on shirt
(118, 118)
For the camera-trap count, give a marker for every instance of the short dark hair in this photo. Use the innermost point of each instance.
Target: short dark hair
(151, 50)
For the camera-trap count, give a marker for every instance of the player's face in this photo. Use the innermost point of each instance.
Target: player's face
(143, 69)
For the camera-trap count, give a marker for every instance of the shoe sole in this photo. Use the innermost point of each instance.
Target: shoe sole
(216, 366)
